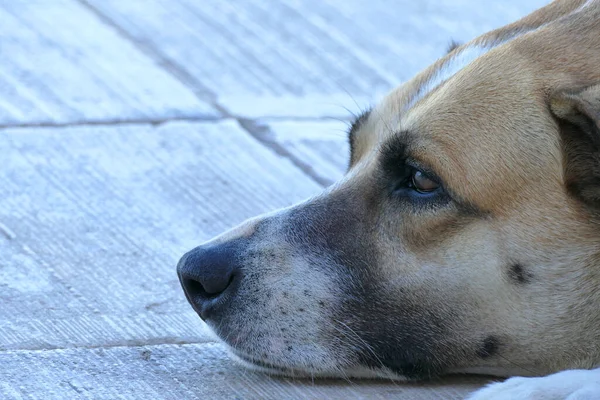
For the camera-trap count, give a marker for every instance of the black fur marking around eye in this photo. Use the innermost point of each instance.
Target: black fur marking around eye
(396, 165)
(393, 157)
(517, 273)
(489, 347)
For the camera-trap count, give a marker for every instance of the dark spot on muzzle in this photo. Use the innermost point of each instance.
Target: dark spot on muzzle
(489, 347)
(517, 273)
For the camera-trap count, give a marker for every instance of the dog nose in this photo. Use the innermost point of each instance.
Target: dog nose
(209, 275)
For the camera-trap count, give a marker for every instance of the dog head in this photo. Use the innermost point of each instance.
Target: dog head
(464, 237)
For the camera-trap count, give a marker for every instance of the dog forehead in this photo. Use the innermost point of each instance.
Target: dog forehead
(486, 132)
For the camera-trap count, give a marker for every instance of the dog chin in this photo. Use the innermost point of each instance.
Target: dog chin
(357, 372)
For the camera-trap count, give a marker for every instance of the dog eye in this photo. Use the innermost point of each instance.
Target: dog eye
(422, 183)
(416, 185)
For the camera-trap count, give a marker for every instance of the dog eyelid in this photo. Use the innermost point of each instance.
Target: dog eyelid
(411, 162)
(423, 183)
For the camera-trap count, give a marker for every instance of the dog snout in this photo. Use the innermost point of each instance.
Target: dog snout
(209, 275)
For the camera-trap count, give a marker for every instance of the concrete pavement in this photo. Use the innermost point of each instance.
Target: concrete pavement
(130, 131)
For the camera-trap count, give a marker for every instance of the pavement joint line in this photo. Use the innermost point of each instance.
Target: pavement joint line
(140, 344)
(262, 134)
(150, 51)
(159, 122)
(153, 122)
(252, 127)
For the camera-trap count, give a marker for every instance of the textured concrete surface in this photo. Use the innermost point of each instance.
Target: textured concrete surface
(133, 130)
(261, 58)
(320, 148)
(95, 218)
(61, 64)
(188, 371)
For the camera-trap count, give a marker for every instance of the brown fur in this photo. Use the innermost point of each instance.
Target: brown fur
(490, 135)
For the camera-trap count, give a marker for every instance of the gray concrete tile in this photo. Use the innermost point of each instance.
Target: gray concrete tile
(304, 58)
(61, 64)
(193, 371)
(319, 146)
(93, 220)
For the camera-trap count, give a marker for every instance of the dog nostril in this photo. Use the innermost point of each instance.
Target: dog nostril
(198, 291)
(195, 289)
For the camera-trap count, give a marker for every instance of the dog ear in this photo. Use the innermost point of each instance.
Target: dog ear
(578, 116)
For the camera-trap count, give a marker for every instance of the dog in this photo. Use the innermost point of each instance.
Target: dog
(464, 237)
